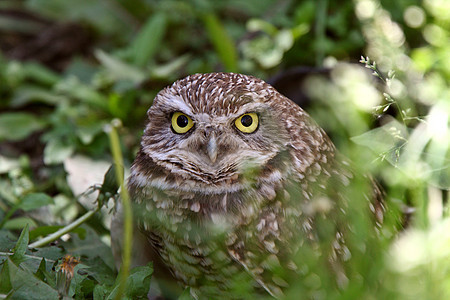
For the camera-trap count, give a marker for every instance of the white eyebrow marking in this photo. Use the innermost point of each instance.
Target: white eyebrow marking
(178, 104)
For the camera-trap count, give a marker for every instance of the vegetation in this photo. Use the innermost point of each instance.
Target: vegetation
(73, 75)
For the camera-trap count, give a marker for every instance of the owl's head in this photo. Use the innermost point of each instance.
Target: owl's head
(206, 129)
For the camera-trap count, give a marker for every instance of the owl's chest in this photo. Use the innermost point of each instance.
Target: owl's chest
(206, 240)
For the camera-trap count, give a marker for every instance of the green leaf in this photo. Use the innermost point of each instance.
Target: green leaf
(41, 269)
(7, 241)
(17, 126)
(21, 246)
(5, 281)
(148, 40)
(119, 69)
(101, 292)
(27, 94)
(138, 283)
(164, 71)
(87, 130)
(78, 283)
(41, 74)
(34, 201)
(44, 275)
(26, 286)
(56, 152)
(385, 141)
(222, 42)
(18, 223)
(186, 295)
(90, 246)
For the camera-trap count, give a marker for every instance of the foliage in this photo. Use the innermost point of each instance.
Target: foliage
(393, 125)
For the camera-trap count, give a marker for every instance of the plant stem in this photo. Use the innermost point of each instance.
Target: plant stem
(128, 215)
(66, 229)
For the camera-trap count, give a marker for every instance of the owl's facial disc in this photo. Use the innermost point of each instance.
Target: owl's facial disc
(214, 149)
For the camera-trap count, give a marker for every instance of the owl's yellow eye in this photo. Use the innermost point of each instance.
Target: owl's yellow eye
(247, 123)
(181, 123)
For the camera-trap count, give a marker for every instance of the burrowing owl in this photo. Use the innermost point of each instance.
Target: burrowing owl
(229, 183)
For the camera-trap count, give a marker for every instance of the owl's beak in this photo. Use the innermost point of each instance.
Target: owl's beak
(211, 147)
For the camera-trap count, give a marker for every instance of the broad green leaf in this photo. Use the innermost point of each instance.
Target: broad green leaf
(100, 292)
(99, 271)
(21, 246)
(222, 42)
(50, 253)
(26, 286)
(90, 247)
(138, 283)
(55, 152)
(17, 126)
(148, 40)
(34, 201)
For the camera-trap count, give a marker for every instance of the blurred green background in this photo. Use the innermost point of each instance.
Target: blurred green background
(373, 73)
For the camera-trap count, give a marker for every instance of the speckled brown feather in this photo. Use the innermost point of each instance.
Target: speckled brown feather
(246, 212)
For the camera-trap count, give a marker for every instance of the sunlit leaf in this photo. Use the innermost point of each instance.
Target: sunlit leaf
(385, 140)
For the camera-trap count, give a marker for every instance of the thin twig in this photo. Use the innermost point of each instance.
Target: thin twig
(66, 229)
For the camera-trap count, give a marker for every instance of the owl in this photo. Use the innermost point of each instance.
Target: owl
(231, 180)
